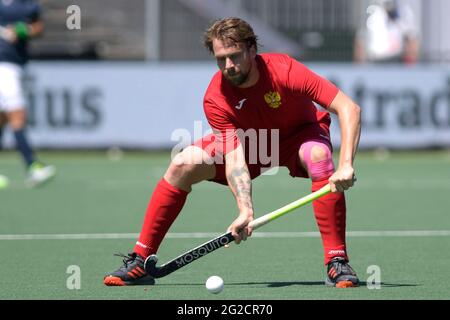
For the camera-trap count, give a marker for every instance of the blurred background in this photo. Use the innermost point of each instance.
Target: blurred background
(171, 30)
(132, 73)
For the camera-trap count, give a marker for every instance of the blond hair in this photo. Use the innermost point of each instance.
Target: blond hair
(231, 31)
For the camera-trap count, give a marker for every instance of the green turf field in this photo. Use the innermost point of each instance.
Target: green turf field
(94, 195)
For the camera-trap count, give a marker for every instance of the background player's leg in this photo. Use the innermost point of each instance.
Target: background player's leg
(330, 210)
(187, 168)
(17, 121)
(38, 173)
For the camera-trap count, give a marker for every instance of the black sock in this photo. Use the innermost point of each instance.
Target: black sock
(23, 146)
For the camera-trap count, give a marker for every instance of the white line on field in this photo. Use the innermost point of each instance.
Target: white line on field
(394, 184)
(208, 235)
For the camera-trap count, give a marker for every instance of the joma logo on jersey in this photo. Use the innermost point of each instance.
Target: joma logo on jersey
(273, 99)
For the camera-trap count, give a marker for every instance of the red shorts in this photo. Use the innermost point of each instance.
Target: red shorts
(288, 152)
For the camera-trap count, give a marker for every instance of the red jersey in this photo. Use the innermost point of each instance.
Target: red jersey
(281, 99)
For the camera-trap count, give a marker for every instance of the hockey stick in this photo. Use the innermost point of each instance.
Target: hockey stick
(220, 241)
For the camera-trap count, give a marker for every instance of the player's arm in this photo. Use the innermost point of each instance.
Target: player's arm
(35, 25)
(412, 50)
(349, 115)
(359, 51)
(240, 183)
(236, 169)
(35, 29)
(307, 83)
(24, 30)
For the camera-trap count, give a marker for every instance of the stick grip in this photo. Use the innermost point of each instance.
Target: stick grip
(255, 224)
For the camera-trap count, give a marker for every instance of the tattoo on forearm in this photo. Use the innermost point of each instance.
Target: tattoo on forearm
(241, 185)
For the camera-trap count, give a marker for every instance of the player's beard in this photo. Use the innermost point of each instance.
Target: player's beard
(237, 79)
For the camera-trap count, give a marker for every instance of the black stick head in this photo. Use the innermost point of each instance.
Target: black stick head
(150, 264)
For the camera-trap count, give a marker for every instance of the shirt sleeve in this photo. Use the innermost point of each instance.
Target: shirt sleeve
(305, 82)
(224, 129)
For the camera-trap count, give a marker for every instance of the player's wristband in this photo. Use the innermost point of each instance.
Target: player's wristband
(21, 30)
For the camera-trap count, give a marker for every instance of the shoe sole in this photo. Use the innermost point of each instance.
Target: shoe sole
(341, 284)
(36, 184)
(345, 284)
(111, 281)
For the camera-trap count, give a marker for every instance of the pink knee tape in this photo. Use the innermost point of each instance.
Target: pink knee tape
(322, 169)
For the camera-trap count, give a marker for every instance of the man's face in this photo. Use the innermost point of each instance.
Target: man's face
(235, 61)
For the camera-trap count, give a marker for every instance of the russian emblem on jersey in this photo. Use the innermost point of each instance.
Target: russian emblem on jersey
(273, 99)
